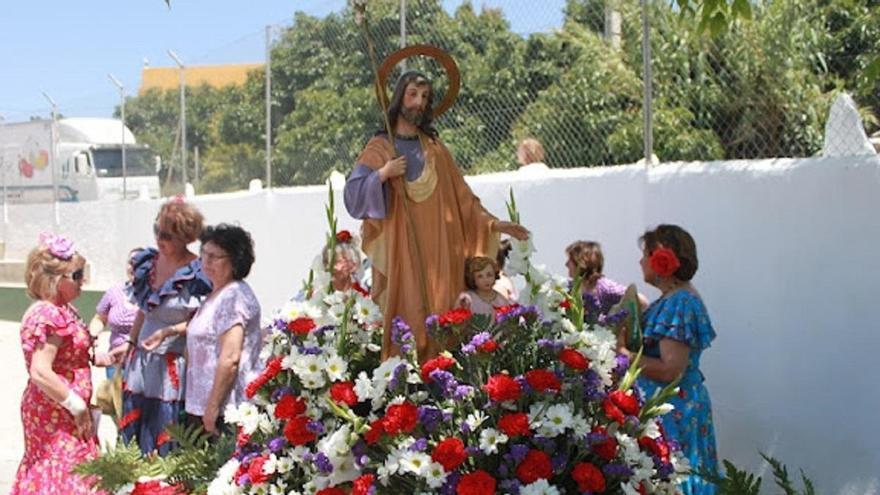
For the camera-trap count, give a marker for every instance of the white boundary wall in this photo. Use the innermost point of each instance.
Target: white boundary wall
(789, 270)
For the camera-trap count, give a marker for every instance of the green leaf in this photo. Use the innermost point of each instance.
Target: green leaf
(742, 9)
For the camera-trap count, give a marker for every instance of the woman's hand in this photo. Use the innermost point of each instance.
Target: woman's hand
(154, 341)
(104, 359)
(514, 230)
(394, 167)
(119, 353)
(83, 422)
(209, 419)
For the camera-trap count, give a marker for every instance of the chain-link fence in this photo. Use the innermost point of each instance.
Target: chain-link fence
(570, 76)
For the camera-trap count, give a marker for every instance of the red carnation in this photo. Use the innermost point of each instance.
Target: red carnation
(331, 491)
(488, 346)
(477, 483)
(375, 432)
(513, 424)
(626, 402)
(543, 380)
(255, 471)
(400, 418)
(613, 412)
(363, 484)
(241, 438)
(574, 359)
(296, 431)
(502, 388)
(455, 316)
(534, 467)
(343, 393)
(663, 261)
(254, 386)
(655, 447)
(565, 304)
(301, 325)
(290, 407)
(606, 449)
(273, 367)
(438, 363)
(157, 487)
(588, 478)
(449, 453)
(503, 310)
(343, 237)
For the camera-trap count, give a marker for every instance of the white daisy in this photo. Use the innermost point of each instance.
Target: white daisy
(490, 439)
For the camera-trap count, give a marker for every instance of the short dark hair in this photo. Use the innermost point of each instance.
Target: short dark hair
(588, 258)
(236, 242)
(680, 242)
(504, 248)
(395, 106)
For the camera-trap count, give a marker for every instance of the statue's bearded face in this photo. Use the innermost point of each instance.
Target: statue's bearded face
(415, 102)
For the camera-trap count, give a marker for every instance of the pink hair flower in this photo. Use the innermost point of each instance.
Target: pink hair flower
(58, 245)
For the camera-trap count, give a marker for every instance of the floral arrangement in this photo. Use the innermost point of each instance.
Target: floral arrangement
(535, 402)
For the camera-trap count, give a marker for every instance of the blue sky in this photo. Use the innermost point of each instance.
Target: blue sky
(66, 48)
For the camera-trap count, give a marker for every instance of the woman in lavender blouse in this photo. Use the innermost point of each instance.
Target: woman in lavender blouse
(116, 311)
(223, 338)
(600, 293)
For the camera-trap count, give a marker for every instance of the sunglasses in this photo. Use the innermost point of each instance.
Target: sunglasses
(75, 276)
(162, 235)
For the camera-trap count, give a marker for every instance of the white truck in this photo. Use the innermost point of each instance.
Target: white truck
(85, 161)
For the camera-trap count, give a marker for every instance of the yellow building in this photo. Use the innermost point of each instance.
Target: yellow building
(216, 76)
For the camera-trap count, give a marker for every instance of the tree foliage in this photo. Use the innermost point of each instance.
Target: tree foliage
(731, 79)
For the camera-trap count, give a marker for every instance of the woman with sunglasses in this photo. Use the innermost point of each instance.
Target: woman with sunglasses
(168, 287)
(57, 423)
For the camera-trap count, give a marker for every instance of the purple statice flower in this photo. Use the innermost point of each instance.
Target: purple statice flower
(473, 450)
(621, 364)
(617, 470)
(276, 444)
(475, 343)
(401, 335)
(315, 427)
(280, 392)
(361, 461)
(559, 461)
(444, 381)
(544, 443)
(592, 385)
(518, 452)
(310, 351)
(420, 445)
(553, 345)
(244, 480)
(308, 457)
(249, 457)
(399, 371)
(611, 320)
(462, 391)
(432, 322)
(279, 324)
(451, 483)
(320, 331)
(430, 417)
(503, 471)
(322, 462)
(510, 485)
(664, 469)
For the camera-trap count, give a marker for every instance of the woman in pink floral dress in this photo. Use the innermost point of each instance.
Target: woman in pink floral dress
(58, 430)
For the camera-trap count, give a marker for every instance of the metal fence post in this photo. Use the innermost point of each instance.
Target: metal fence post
(647, 101)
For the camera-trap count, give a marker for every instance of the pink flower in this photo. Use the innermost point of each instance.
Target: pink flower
(61, 247)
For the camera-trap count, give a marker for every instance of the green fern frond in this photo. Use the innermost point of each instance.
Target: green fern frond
(116, 467)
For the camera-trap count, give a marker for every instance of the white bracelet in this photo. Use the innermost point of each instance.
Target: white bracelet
(74, 404)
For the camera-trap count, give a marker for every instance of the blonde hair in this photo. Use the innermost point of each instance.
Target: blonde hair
(587, 257)
(181, 219)
(532, 150)
(44, 270)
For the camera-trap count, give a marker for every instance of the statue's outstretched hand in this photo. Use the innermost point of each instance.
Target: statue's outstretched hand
(514, 230)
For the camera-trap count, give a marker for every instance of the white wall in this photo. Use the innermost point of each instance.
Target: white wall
(789, 268)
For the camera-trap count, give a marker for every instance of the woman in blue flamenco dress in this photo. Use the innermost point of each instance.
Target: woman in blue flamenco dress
(676, 330)
(168, 287)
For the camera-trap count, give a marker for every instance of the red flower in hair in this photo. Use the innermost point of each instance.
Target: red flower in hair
(534, 467)
(477, 483)
(663, 261)
(343, 237)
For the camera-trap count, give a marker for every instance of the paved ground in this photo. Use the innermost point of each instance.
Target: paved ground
(11, 387)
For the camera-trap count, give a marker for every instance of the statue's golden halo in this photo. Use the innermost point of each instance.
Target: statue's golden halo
(429, 51)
